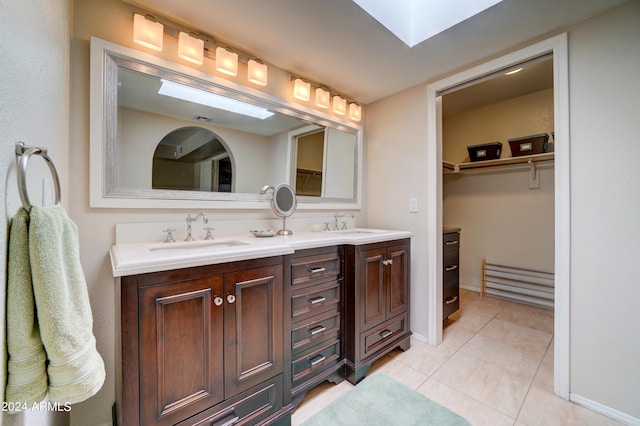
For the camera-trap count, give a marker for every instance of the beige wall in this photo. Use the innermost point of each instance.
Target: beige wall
(604, 100)
(604, 61)
(525, 115)
(502, 220)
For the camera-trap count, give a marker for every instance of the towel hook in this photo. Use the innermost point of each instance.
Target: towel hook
(23, 154)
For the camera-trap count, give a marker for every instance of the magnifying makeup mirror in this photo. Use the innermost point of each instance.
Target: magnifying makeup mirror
(283, 204)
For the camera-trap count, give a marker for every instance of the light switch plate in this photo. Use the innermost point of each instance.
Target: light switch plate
(413, 205)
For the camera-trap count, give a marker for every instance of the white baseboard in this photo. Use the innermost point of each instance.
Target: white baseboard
(604, 410)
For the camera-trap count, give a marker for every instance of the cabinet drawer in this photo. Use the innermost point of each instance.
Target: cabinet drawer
(451, 266)
(451, 241)
(314, 330)
(315, 360)
(373, 339)
(317, 268)
(248, 408)
(451, 300)
(315, 300)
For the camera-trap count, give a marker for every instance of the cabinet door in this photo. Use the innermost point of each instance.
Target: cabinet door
(181, 341)
(253, 327)
(397, 271)
(371, 286)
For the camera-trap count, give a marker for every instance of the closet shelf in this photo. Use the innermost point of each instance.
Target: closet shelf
(449, 167)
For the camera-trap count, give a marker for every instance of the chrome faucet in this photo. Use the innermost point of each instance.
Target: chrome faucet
(191, 220)
(339, 215)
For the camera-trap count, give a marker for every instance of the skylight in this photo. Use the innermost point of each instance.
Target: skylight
(191, 94)
(414, 21)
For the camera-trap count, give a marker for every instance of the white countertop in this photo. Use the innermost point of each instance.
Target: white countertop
(139, 258)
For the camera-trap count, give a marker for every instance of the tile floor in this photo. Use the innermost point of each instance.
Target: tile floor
(494, 367)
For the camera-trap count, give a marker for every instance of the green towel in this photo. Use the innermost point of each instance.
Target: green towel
(75, 370)
(26, 369)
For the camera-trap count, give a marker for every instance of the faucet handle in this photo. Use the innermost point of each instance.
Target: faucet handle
(208, 235)
(169, 238)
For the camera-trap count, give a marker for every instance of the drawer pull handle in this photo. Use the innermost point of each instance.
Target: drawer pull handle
(451, 268)
(385, 333)
(316, 360)
(228, 420)
(317, 270)
(231, 298)
(218, 300)
(450, 300)
(387, 262)
(317, 329)
(318, 299)
(451, 243)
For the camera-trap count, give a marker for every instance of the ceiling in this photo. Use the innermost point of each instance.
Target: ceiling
(337, 44)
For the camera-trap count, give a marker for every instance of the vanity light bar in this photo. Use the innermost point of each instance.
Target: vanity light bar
(148, 32)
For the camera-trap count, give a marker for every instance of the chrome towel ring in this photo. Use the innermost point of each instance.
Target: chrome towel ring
(23, 154)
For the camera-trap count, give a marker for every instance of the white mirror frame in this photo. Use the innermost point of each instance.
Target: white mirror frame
(103, 98)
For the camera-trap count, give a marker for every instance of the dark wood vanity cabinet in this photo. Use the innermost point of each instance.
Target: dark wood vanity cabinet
(450, 271)
(316, 302)
(376, 303)
(204, 345)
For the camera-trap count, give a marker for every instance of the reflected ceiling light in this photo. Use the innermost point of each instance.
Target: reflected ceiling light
(355, 112)
(257, 72)
(226, 61)
(147, 32)
(301, 89)
(191, 94)
(323, 97)
(514, 71)
(190, 48)
(339, 105)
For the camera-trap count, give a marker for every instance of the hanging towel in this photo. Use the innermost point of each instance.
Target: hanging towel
(26, 369)
(75, 370)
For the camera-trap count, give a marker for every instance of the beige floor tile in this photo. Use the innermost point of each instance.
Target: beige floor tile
(423, 357)
(472, 319)
(528, 316)
(495, 367)
(518, 349)
(486, 382)
(399, 371)
(477, 413)
(454, 335)
(318, 397)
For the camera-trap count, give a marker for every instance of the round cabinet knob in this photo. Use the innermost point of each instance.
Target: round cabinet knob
(231, 298)
(218, 300)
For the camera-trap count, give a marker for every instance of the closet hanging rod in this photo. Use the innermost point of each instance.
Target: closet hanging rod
(23, 154)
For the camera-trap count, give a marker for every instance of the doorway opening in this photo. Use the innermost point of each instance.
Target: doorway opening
(557, 48)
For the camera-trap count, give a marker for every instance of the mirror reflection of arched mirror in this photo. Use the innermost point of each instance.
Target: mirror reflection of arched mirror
(192, 158)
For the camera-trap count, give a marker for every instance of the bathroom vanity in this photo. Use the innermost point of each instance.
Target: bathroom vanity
(239, 329)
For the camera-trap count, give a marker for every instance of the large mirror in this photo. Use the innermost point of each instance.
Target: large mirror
(166, 135)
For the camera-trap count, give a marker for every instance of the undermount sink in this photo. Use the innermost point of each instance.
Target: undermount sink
(197, 245)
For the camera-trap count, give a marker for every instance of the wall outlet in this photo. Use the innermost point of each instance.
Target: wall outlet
(413, 205)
